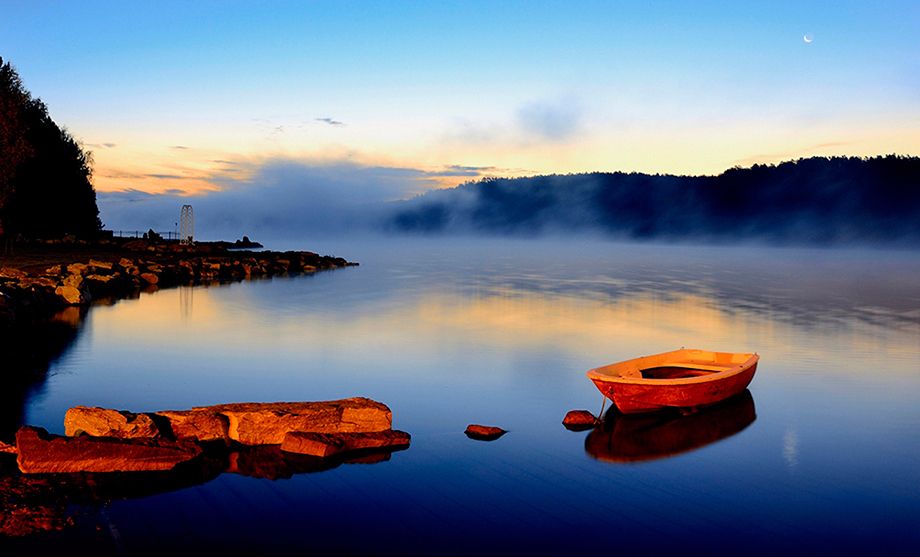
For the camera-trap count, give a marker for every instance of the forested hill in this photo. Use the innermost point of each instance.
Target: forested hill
(45, 176)
(814, 200)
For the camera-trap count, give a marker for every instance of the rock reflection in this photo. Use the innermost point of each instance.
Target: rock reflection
(641, 437)
(32, 504)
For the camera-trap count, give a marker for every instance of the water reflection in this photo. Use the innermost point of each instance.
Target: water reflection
(640, 437)
(31, 504)
(29, 350)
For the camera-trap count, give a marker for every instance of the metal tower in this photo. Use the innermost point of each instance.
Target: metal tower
(186, 225)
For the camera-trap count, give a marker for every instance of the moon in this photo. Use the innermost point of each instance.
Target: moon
(807, 39)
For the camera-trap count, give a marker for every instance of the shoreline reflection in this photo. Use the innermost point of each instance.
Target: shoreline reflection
(630, 438)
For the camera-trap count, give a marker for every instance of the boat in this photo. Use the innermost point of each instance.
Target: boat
(627, 438)
(685, 378)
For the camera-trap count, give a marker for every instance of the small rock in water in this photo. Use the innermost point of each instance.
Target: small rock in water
(579, 420)
(484, 432)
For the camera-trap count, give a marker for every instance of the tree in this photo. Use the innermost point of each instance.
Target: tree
(45, 175)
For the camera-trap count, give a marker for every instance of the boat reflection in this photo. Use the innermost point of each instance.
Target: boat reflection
(641, 437)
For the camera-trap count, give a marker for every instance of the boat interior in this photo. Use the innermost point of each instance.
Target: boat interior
(680, 364)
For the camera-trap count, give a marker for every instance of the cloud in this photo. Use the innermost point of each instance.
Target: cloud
(102, 145)
(179, 147)
(166, 176)
(330, 121)
(552, 120)
(459, 170)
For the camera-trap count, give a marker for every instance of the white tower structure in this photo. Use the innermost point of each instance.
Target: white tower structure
(186, 225)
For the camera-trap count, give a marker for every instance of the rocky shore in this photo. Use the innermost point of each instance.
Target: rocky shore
(43, 279)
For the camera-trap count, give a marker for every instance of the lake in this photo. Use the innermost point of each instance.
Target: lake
(821, 455)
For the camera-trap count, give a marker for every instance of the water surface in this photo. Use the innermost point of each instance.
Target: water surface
(820, 455)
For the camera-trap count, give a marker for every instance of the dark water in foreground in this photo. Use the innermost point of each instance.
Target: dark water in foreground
(822, 455)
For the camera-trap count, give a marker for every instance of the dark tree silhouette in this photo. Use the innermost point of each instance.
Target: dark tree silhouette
(814, 200)
(45, 175)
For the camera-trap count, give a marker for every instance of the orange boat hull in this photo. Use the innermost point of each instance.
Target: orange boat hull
(636, 394)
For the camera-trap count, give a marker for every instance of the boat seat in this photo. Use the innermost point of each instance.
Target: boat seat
(707, 367)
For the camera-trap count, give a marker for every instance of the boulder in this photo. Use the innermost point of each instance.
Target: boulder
(150, 278)
(103, 422)
(76, 269)
(75, 280)
(268, 423)
(579, 420)
(71, 296)
(329, 444)
(100, 266)
(43, 453)
(202, 425)
(53, 271)
(11, 273)
(484, 432)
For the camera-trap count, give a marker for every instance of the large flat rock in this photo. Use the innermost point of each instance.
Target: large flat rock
(248, 423)
(41, 452)
(268, 423)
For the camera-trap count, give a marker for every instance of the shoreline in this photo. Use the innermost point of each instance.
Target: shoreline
(42, 279)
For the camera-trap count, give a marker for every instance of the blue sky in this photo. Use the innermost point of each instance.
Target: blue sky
(161, 91)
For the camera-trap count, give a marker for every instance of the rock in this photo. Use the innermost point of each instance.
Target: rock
(484, 432)
(150, 278)
(7, 449)
(100, 266)
(103, 422)
(329, 444)
(43, 453)
(201, 425)
(43, 282)
(249, 423)
(53, 271)
(76, 269)
(11, 273)
(71, 296)
(75, 280)
(579, 420)
(268, 423)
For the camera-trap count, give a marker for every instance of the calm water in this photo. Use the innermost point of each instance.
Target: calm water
(823, 455)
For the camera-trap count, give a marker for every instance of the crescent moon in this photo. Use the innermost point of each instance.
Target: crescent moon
(807, 39)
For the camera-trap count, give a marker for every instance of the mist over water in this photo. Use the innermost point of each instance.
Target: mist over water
(501, 332)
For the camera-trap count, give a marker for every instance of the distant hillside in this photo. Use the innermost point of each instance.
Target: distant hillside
(814, 200)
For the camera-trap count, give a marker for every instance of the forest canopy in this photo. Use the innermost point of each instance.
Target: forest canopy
(815, 200)
(46, 186)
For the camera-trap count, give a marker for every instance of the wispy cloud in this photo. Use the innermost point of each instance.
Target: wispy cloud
(179, 147)
(102, 145)
(330, 121)
(166, 176)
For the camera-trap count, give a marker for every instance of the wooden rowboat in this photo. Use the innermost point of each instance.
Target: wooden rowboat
(684, 378)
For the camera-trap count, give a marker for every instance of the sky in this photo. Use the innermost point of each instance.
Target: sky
(385, 100)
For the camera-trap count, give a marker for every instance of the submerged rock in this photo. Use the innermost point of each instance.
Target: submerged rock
(103, 422)
(484, 432)
(579, 420)
(329, 444)
(42, 453)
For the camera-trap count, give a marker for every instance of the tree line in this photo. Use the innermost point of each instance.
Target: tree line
(46, 186)
(819, 200)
